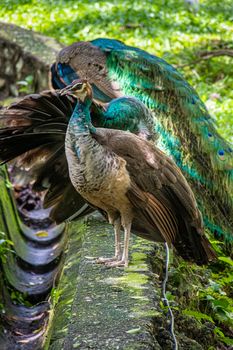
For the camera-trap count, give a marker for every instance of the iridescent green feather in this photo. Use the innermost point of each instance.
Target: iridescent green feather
(187, 131)
(125, 113)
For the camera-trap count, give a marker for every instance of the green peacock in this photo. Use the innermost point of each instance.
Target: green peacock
(35, 127)
(187, 131)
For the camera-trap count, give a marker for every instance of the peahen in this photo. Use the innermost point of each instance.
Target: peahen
(187, 132)
(133, 182)
(35, 128)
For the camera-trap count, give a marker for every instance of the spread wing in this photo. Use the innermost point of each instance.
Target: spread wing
(34, 129)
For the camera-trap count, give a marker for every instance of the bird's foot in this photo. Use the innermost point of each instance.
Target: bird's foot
(107, 260)
(119, 263)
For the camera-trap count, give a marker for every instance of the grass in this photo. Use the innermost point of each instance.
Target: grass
(169, 29)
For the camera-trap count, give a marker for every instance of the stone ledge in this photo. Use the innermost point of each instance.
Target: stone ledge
(104, 308)
(24, 53)
(33, 43)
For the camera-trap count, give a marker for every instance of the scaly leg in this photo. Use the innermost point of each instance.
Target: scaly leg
(125, 256)
(117, 231)
(117, 257)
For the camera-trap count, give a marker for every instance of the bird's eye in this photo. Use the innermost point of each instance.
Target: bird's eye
(78, 86)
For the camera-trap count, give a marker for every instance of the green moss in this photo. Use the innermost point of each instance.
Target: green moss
(62, 297)
(138, 257)
(133, 280)
(145, 313)
(103, 297)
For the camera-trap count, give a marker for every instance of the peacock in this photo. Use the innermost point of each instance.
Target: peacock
(187, 131)
(133, 182)
(34, 128)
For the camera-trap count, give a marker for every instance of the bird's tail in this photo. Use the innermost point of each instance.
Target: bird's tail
(156, 220)
(194, 246)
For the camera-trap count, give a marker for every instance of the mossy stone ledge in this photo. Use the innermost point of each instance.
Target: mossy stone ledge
(101, 307)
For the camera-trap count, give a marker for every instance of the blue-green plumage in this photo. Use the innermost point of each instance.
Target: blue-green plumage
(187, 130)
(127, 113)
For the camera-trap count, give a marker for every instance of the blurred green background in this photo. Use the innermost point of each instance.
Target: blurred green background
(173, 30)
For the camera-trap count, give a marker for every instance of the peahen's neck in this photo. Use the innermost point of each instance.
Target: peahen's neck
(80, 121)
(85, 156)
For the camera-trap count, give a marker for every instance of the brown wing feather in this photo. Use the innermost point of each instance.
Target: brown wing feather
(160, 195)
(156, 213)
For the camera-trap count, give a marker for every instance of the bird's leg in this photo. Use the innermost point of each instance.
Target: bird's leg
(117, 256)
(117, 231)
(125, 256)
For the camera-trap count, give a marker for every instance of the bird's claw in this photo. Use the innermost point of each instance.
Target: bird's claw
(106, 260)
(112, 262)
(119, 263)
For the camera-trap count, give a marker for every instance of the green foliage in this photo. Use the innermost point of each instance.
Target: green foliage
(5, 245)
(166, 28)
(206, 295)
(217, 304)
(7, 182)
(224, 339)
(198, 315)
(54, 296)
(19, 298)
(227, 260)
(26, 86)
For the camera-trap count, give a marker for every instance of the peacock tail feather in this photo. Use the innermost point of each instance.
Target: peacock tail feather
(187, 130)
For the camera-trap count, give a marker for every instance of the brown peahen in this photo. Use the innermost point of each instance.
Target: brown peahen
(133, 182)
(35, 128)
(187, 132)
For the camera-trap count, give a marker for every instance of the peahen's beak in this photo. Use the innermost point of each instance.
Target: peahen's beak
(76, 85)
